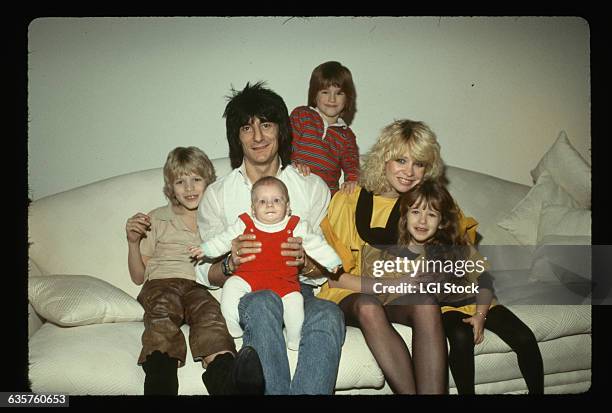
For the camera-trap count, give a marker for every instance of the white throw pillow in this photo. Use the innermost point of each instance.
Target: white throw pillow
(568, 169)
(522, 221)
(564, 259)
(74, 300)
(563, 253)
(563, 220)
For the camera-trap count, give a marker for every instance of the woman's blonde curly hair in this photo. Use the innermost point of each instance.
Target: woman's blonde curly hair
(395, 140)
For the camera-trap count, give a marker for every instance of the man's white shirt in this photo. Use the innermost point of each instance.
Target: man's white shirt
(228, 197)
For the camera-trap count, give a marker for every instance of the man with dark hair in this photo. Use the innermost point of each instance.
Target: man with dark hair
(266, 106)
(259, 136)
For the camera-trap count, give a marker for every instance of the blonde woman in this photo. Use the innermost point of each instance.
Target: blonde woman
(405, 153)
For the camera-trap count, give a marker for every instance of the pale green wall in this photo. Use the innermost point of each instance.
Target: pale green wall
(109, 96)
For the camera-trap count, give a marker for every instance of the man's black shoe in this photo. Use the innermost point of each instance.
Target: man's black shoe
(247, 373)
(228, 375)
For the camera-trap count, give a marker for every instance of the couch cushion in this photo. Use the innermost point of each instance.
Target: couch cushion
(98, 359)
(358, 368)
(522, 287)
(568, 170)
(101, 358)
(74, 300)
(548, 322)
(563, 253)
(487, 199)
(93, 359)
(563, 220)
(34, 321)
(502, 366)
(569, 382)
(522, 221)
(564, 260)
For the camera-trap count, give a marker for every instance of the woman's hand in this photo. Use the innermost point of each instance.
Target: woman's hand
(244, 248)
(137, 226)
(477, 321)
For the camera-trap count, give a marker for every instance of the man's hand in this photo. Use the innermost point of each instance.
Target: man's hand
(293, 248)
(301, 167)
(136, 227)
(244, 248)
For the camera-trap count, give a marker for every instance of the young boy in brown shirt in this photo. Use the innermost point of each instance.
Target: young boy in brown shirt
(158, 255)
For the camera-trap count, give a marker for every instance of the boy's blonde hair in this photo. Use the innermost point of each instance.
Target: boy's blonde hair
(395, 140)
(185, 161)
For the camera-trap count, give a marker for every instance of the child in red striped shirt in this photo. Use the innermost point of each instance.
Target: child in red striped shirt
(322, 139)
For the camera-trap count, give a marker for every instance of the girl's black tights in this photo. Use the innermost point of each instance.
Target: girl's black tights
(510, 329)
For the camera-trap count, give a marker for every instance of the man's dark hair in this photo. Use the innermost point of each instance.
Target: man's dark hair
(267, 106)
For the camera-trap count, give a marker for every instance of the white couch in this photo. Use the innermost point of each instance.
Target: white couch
(81, 232)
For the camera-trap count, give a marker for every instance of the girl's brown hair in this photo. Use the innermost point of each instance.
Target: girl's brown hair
(334, 74)
(433, 194)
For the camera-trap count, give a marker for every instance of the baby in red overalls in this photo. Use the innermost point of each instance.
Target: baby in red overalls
(272, 223)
